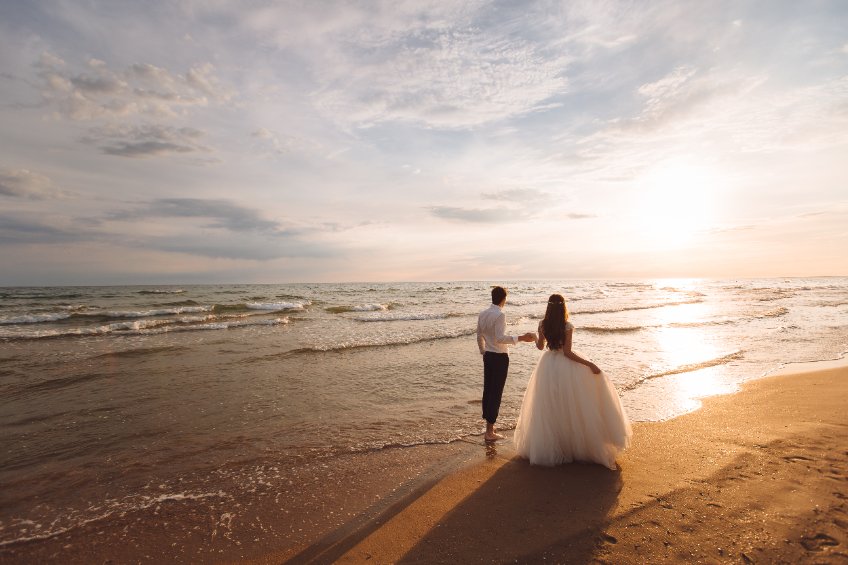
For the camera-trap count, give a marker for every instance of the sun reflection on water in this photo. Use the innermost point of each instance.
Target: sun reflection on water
(685, 284)
(690, 358)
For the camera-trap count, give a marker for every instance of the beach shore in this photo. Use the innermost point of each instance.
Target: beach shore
(756, 477)
(760, 476)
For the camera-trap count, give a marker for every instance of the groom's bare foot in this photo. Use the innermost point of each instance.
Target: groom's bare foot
(493, 436)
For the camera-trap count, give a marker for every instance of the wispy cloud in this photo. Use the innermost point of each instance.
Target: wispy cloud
(228, 230)
(281, 144)
(478, 215)
(715, 112)
(24, 183)
(145, 140)
(517, 195)
(94, 90)
(455, 78)
(222, 214)
(433, 64)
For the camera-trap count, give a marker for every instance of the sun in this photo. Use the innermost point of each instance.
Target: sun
(675, 204)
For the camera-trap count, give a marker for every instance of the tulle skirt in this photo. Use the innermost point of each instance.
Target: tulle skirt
(570, 414)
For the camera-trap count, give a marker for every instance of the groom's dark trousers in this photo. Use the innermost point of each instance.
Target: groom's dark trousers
(495, 366)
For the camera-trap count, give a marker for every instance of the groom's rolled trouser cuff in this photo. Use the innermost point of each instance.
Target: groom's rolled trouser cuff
(495, 366)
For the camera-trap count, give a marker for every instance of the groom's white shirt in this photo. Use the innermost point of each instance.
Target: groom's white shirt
(491, 328)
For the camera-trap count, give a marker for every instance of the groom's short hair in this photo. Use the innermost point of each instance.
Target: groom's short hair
(498, 294)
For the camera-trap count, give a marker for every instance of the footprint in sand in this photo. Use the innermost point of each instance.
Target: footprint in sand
(818, 542)
(796, 458)
(608, 538)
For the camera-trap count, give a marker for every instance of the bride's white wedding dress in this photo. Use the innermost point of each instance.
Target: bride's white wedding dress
(570, 414)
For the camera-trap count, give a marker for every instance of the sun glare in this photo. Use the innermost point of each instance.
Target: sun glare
(675, 202)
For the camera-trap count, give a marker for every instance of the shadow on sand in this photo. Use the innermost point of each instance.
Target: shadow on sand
(521, 513)
(525, 513)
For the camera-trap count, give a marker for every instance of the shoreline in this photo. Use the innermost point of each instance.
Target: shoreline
(426, 503)
(712, 500)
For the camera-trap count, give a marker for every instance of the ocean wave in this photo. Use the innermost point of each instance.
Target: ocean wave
(38, 296)
(832, 304)
(161, 291)
(292, 297)
(56, 384)
(612, 329)
(689, 368)
(230, 325)
(34, 318)
(188, 302)
(144, 327)
(645, 307)
(347, 346)
(156, 312)
(72, 519)
(407, 317)
(772, 313)
(704, 323)
(629, 285)
(141, 352)
(526, 301)
(79, 314)
(766, 294)
(276, 306)
(48, 317)
(358, 308)
(615, 310)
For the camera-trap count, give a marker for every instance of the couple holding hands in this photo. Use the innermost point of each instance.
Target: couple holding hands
(570, 411)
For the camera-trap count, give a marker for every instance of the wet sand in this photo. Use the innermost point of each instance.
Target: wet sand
(760, 476)
(756, 477)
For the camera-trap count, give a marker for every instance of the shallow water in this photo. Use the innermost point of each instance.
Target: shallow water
(116, 398)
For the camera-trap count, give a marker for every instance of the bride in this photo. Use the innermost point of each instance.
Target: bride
(570, 411)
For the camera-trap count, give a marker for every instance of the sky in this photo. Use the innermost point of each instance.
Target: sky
(212, 141)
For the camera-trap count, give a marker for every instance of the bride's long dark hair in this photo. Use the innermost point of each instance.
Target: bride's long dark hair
(553, 326)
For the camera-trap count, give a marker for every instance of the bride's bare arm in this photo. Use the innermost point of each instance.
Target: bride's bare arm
(540, 338)
(566, 349)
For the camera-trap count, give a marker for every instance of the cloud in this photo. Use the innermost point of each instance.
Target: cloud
(221, 213)
(94, 90)
(447, 65)
(22, 230)
(230, 231)
(457, 78)
(281, 144)
(23, 183)
(477, 215)
(241, 246)
(715, 112)
(517, 195)
(146, 140)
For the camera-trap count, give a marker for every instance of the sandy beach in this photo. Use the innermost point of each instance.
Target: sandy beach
(753, 477)
(756, 477)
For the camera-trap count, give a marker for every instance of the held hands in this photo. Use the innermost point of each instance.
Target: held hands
(528, 337)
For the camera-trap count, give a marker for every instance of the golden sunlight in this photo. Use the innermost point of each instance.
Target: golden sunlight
(690, 357)
(675, 203)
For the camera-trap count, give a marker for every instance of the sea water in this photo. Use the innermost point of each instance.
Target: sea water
(115, 399)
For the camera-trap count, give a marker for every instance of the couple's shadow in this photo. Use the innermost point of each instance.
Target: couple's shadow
(526, 514)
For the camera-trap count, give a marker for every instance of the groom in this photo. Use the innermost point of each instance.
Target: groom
(493, 342)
